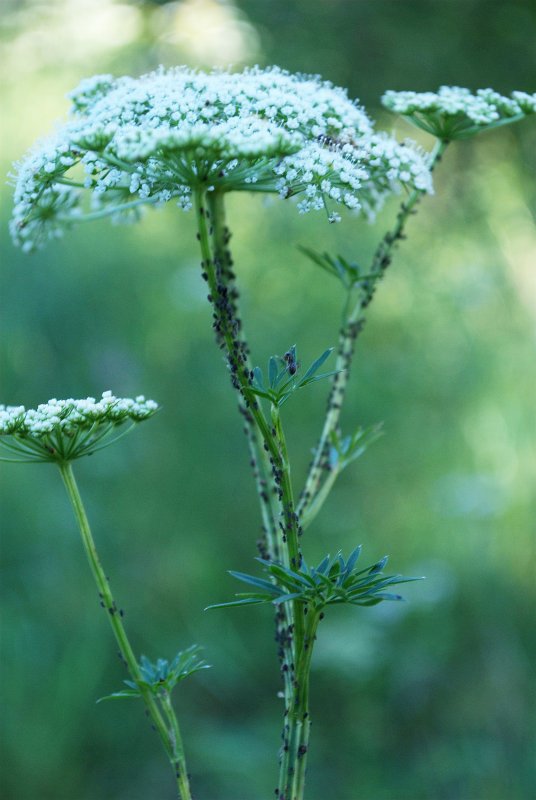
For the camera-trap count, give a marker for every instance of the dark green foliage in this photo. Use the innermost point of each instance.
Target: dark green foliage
(333, 581)
(351, 275)
(283, 376)
(346, 449)
(163, 675)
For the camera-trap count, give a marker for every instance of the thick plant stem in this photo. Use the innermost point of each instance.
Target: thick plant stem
(298, 722)
(214, 237)
(217, 271)
(350, 330)
(114, 615)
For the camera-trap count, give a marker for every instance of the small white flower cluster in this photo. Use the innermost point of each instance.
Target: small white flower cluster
(152, 139)
(67, 429)
(455, 113)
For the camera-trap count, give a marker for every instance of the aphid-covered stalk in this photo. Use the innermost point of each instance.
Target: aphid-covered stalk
(352, 326)
(298, 721)
(170, 736)
(214, 239)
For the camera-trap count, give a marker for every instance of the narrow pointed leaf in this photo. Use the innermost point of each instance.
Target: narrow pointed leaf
(254, 581)
(307, 381)
(379, 565)
(352, 559)
(285, 597)
(323, 566)
(245, 601)
(318, 363)
(259, 378)
(272, 372)
(285, 575)
(260, 393)
(119, 695)
(389, 596)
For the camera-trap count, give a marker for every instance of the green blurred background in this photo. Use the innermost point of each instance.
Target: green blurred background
(429, 700)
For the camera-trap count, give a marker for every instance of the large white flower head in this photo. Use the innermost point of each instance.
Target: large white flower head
(62, 430)
(456, 113)
(137, 141)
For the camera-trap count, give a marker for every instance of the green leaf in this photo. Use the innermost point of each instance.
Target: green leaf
(260, 393)
(318, 363)
(254, 581)
(324, 565)
(379, 565)
(273, 371)
(322, 261)
(245, 601)
(286, 575)
(389, 596)
(285, 597)
(259, 378)
(306, 382)
(352, 559)
(365, 602)
(120, 695)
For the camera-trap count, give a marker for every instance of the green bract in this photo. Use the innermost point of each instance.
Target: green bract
(62, 430)
(456, 113)
(333, 581)
(284, 376)
(163, 676)
(133, 142)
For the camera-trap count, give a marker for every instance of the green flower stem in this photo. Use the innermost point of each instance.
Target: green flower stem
(213, 237)
(269, 545)
(298, 722)
(106, 212)
(114, 617)
(69, 182)
(216, 260)
(213, 242)
(293, 530)
(291, 546)
(179, 759)
(209, 206)
(319, 498)
(349, 332)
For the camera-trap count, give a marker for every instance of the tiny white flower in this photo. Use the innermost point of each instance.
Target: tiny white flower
(155, 138)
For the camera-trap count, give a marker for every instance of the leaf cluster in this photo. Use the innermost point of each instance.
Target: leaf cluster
(162, 676)
(333, 581)
(344, 450)
(284, 376)
(349, 273)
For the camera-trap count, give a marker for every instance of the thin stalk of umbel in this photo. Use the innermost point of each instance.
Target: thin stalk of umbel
(352, 327)
(170, 738)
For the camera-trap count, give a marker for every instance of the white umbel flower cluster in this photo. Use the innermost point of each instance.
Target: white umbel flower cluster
(62, 430)
(457, 113)
(137, 141)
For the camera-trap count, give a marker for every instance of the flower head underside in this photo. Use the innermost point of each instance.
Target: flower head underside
(132, 142)
(456, 113)
(63, 430)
